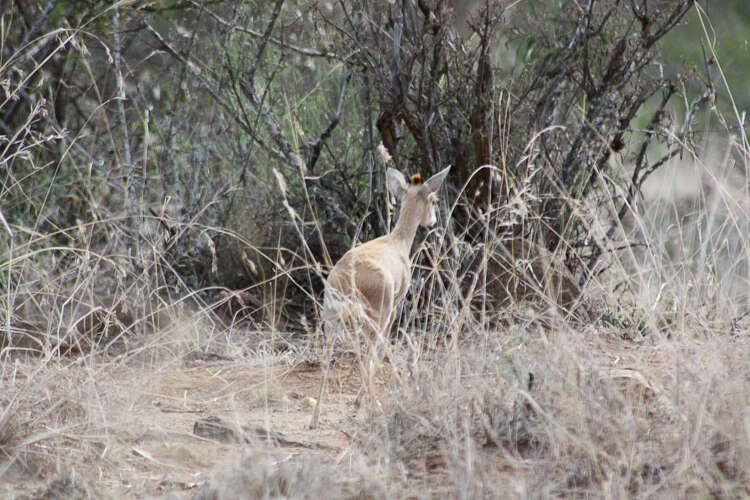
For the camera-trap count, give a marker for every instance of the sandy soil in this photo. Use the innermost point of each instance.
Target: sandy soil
(139, 440)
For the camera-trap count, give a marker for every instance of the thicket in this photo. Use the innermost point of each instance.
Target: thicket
(169, 148)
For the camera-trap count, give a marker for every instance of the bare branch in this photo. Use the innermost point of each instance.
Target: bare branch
(133, 179)
(263, 41)
(217, 97)
(274, 130)
(300, 50)
(675, 17)
(317, 145)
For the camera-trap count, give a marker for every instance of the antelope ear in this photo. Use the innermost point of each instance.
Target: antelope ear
(396, 183)
(434, 182)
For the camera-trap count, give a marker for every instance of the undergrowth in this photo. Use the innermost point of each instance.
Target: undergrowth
(629, 378)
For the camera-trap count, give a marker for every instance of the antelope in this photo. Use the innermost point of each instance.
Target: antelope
(369, 281)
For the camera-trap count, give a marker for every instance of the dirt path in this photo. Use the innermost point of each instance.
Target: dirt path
(140, 442)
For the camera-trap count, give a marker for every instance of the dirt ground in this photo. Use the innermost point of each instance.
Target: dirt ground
(197, 426)
(140, 441)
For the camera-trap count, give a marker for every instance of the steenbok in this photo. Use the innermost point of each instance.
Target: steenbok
(367, 283)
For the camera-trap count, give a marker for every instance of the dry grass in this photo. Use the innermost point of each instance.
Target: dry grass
(649, 397)
(108, 360)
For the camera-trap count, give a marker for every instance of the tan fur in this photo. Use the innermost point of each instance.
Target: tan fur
(368, 282)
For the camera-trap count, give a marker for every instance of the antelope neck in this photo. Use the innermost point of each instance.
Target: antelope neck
(406, 227)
